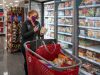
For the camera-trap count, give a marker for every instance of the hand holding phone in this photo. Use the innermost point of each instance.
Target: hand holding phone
(35, 28)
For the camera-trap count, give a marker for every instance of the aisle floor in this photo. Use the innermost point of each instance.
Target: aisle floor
(11, 64)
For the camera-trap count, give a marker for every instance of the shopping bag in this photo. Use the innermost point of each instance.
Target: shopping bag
(49, 52)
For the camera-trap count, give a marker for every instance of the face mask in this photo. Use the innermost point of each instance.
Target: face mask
(33, 18)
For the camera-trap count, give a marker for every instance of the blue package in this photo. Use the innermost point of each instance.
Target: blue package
(19, 18)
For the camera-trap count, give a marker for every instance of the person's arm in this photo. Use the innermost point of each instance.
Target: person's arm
(25, 32)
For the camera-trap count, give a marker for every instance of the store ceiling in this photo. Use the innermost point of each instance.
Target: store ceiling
(9, 3)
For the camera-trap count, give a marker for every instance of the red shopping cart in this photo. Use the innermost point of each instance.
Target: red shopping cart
(36, 67)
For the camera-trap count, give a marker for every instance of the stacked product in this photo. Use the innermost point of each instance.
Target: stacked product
(15, 17)
(89, 43)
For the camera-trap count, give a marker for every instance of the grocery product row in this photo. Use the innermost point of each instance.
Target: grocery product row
(14, 22)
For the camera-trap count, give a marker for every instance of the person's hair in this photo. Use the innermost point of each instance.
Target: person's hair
(32, 12)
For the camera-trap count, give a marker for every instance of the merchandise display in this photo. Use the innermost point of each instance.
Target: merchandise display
(14, 22)
(89, 42)
(89, 29)
(1, 23)
(49, 19)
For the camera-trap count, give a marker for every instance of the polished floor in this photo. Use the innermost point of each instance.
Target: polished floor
(10, 64)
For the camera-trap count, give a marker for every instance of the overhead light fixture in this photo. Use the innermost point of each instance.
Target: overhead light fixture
(4, 1)
(16, 5)
(11, 3)
(16, 1)
(6, 5)
(1, 4)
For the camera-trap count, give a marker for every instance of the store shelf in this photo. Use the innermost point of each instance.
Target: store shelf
(51, 30)
(87, 27)
(49, 2)
(65, 25)
(66, 8)
(89, 6)
(92, 48)
(49, 16)
(50, 23)
(90, 60)
(93, 18)
(85, 37)
(48, 37)
(65, 16)
(65, 42)
(84, 72)
(68, 50)
(49, 9)
(64, 33)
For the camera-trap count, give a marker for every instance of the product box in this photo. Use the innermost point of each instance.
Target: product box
(82, 52)
(97, 23)
(90, 54)
(68, 21)
(82, 22)
(82, 32)
(67, 12)
(90, 33)
(96, 34)
(61, 5)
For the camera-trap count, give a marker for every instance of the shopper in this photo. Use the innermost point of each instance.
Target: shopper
(30, 31)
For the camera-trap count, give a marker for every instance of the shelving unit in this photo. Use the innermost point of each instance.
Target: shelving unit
(89, 38)
(49, 19)
(1, 22)
(65, 24)
(14, 22)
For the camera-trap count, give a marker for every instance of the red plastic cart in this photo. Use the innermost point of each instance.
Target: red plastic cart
(36, 67)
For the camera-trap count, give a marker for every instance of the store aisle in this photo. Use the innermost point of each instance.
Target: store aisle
(10, 64)
(15, 64)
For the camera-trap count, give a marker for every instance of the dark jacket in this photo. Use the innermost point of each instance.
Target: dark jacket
(28, 33)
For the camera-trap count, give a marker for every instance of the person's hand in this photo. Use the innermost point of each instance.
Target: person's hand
(35, 29)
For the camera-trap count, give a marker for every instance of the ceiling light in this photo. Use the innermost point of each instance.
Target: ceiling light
(11, 3)
(6, 5)
(16, 1)
(4, 1)
(1, 4)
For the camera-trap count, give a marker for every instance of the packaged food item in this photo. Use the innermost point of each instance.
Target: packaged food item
(97, 57)
(97, 23)
(67, 12)
(82, 52)
(61, 5)
(96, 34)
(67, 3)
(82, 22)
(82, 32)
(90, 33)
(88, 2)
(87, 67)
(90, 23)
(90, 54)
(98, 12)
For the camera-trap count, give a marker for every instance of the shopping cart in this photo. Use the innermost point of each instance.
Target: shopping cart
(36, 67)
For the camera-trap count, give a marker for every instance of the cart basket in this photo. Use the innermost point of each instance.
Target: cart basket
(36, 67)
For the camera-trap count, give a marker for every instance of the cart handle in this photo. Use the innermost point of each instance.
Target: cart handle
(49, 62)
